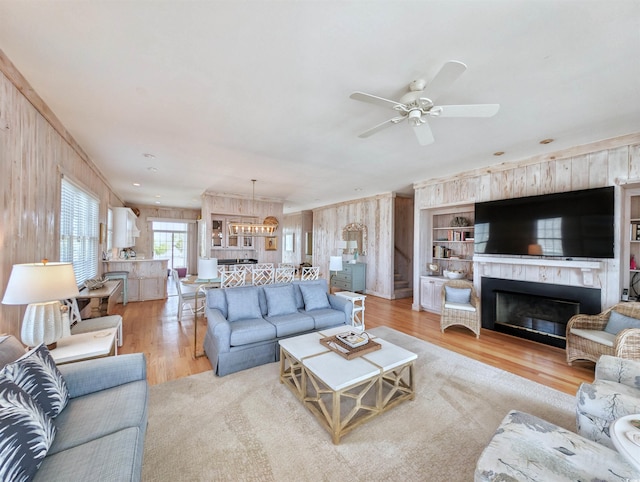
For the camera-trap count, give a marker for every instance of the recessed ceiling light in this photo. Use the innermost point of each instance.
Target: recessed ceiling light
(358, 189)
(152, 169)
(136, 184)
(546, 141)
(157, 202)
(498, 153)
(158, 195)
(149, 156)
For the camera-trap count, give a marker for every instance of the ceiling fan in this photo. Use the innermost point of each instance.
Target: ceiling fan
(418, 104)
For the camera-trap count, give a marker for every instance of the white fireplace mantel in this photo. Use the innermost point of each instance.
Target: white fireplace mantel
(587, 267)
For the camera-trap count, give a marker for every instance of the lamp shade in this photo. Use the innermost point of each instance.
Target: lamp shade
(353, 244)
(335, 263)
(208, 268)
(40, 282)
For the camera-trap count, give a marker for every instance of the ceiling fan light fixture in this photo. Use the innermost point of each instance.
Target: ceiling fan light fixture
(415, 117)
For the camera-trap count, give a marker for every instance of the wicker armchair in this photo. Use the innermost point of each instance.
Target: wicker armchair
(465, 314)
(626, 344)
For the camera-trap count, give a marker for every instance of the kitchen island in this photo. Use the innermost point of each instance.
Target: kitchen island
(147, 278)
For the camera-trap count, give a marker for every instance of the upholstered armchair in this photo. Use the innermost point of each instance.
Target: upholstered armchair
(614, 393)
(615, 331)
(460, 306)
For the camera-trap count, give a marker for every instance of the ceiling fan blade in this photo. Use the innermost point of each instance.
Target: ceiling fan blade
(381, 126)
(448, 74)
(424, 134)
(470, 110)
(374, 99)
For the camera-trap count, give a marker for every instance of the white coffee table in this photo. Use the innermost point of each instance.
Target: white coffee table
(83, 346)
(621, 432)
(341, 393)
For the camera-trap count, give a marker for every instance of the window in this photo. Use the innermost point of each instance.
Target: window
(170, 242)
(79, 231)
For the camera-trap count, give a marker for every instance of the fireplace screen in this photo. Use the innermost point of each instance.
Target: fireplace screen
(533, 313)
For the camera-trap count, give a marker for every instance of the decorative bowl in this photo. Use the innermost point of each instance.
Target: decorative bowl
(454, 274)
(95, 283)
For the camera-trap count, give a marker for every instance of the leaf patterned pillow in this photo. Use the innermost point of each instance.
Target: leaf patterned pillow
(26, 433)
(36, 373)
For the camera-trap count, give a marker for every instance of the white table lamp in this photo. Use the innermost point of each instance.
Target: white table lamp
(41, 286)
(208, 268)
(335, 264)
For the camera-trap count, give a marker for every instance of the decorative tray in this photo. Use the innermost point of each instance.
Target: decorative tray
(335, 344)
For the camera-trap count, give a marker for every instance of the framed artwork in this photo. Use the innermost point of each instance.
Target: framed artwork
(288, 242)
(271, 244)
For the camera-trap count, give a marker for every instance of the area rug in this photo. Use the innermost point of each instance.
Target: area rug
(248, 427)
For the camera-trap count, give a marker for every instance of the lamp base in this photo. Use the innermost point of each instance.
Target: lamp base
(42, 323)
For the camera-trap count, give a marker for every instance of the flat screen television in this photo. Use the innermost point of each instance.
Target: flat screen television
(575, 224)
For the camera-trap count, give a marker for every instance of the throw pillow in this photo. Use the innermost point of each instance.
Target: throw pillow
(281, 300)
(618, 322)
(26, 433)
(36, 373)
(457, 295)
(315, 296)
(242, 304)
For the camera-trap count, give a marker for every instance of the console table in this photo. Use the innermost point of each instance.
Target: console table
(103, 299)
(357, 308)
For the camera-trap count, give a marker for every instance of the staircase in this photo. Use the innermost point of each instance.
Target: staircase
(401, 288)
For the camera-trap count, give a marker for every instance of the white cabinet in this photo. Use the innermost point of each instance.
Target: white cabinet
(124, 228)
(431, 293)
(222, 239)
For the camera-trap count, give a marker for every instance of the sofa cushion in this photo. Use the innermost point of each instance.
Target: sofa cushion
(253, 330)
(26, 433)
(618, 322)
(327, 318)
(598, 336)
(281, 300)
(10, 350)
(114, 457)
(36, 373)
(100, 413)
(243, 303)
(292, 323)
(315, 296)
(457, 295)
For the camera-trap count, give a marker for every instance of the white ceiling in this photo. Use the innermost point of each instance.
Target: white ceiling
(221, 92)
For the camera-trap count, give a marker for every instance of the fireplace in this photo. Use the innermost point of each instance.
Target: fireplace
(535, 311)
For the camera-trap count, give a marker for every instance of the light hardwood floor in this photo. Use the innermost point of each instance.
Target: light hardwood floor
(152, 327)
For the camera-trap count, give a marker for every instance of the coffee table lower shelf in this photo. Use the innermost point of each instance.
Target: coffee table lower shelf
(343, 394)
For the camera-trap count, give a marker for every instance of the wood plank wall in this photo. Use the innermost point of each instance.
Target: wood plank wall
(606, 163)
(376, 213)
(34, 151)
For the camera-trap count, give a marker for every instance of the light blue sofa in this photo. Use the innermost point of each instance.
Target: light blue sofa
(244, 324)
(100, 433)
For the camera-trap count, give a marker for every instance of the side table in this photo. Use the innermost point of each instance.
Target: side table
(83, 346)
(357, 310)
(626, 438)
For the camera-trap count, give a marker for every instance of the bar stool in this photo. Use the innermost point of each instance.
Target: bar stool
(124, 276)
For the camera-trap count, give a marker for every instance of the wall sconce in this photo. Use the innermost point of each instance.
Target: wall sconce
(41, 286)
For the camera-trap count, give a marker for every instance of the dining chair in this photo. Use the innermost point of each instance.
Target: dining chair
(310, 273)
(187, 298)
(284, 275)
(231, 279)
(262, 276)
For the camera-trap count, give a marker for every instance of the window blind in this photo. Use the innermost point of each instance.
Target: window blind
(79, 231)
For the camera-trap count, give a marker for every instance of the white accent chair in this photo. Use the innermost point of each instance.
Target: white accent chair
(310, 273)
(77, 325)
